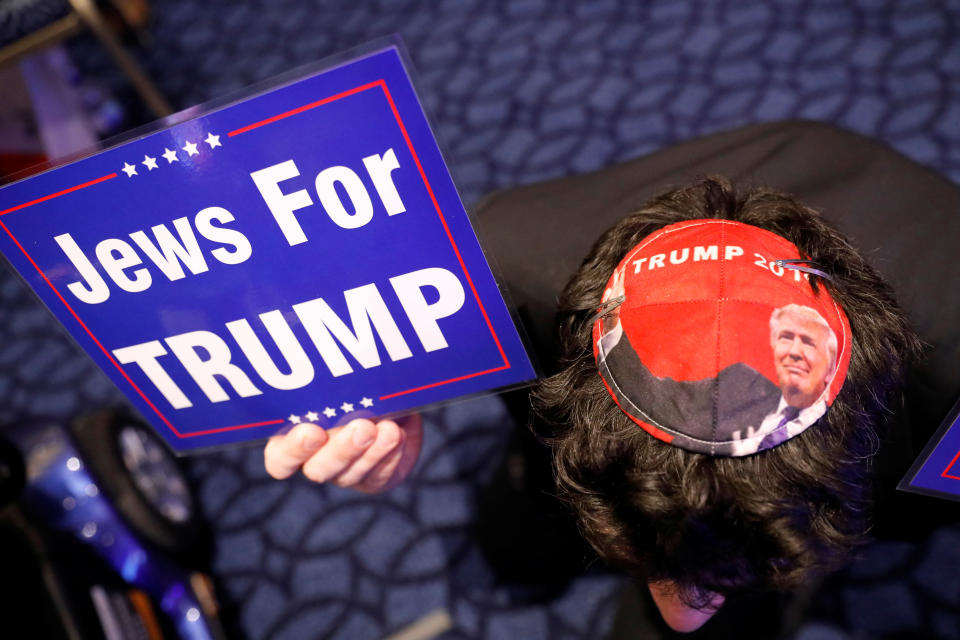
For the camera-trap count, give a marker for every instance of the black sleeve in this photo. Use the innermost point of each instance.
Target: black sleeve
(902, 216)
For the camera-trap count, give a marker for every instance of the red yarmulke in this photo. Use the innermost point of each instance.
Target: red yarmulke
(715, 346)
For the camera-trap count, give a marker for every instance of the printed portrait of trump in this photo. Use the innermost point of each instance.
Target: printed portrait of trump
(805, 360)
(804, 354)
(748, 405)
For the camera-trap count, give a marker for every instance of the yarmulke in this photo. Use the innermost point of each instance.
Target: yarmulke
(717, 347)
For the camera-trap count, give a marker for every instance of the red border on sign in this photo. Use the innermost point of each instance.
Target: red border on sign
(946, 472)
(371, 85)
(109, 176)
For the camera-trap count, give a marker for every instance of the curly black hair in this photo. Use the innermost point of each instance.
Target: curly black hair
(724, 524)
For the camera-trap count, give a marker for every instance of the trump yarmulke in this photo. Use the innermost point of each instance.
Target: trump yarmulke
(711, 338)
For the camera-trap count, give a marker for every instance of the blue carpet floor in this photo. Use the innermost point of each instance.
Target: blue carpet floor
(518, 92)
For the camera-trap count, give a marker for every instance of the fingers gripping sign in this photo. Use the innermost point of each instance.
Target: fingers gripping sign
(284, 454)
(361, 455)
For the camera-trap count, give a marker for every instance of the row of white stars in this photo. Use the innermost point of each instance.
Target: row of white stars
(346, 407)
(170, 155)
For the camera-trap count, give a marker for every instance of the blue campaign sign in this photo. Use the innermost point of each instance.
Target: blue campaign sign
(302, 254)
(937, 471)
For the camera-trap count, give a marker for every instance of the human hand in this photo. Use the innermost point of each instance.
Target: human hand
(359, 455)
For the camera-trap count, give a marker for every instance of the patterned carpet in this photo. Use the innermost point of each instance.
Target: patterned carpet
(518, 92)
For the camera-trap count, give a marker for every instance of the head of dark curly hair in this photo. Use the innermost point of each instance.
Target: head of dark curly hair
(724, 524)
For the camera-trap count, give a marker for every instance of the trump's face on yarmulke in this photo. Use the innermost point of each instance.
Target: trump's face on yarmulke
(708, 338)
(804, 353)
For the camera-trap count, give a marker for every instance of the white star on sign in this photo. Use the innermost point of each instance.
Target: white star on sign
(312, 416)
(129, 169)
(213, 141)
(191, 148)
(170, 155)
(149, 163)
(346, 407)
(329, 412)
(294, 419)
(367, 402)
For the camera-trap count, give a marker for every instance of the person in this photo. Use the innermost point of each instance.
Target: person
(701, 528)
(697, 521)
(697, 529)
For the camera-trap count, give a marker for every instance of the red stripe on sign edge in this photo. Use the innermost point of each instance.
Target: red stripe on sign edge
(231, 428)
(58, 194)
(301, 109)
(443, 382)
(89, 333)
(456, 250)
(946, 472)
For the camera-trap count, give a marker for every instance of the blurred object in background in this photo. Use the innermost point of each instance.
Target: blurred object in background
(20, 145)
(27, 26)
(102, 536)
(50, 113)
(63, 125)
